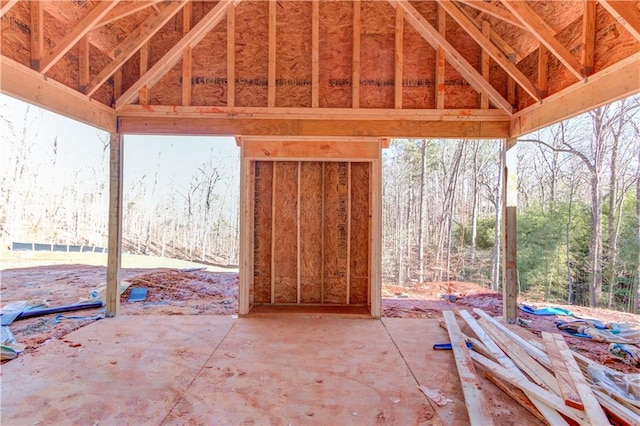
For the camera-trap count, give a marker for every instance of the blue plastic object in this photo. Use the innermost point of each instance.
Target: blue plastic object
(137, 294)
(447, 346)
(550, 310)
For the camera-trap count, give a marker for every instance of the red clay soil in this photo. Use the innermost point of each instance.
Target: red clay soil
(173, 292)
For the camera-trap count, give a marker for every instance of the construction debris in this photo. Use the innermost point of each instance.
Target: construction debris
(548, 379)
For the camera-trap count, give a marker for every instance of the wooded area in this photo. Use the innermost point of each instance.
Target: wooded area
(578, 218)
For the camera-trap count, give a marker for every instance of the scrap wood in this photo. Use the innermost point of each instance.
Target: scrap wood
(479, 412)
(618, 412)
(550, 415)
(521, 398)
(567, 387)
(531, 389)
(591, 405)
(435, 395)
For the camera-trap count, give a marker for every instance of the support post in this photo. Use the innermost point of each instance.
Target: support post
(509, 237)
(114, 255)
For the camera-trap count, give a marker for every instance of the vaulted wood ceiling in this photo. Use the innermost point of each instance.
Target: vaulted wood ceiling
(396, 68)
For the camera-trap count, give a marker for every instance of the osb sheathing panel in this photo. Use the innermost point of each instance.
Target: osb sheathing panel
(285, 205)
(335, 232)
(209, 69)
(377, 56)
(168, 90)
(359, 247)
(263, 172)
(16, 32)
(458, 93)
(335, 54)
(311, 232)
(252, 53)
(293, 54)
(613, 42)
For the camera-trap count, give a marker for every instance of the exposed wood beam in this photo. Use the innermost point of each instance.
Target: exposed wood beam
(7, 7)
(495, 37)
(509, 231)
(539, 28)
(543, 71)
(124, 10)
(138, 38)
(616, 82)
(114, 255)
(271, 77)
(355, 61)
(187, 58)
(493, 10)
(588, 35)
(231, 57)
(399, 41)
(310, 127)
(435, 39)
(83, 63)
(79, 30)
(315, 52)
(144, 66)
(117, 84)
(164, 64)
(626, 13)
(440, 59)
(493, 51)
(37, 38)
(314, 114)
(28, 85)
(485, 61)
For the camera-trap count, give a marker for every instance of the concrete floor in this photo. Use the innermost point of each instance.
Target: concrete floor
(146, 370)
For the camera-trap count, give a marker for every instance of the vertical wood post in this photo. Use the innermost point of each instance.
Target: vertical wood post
(375, 197)
(114, 256)
(509, 238)
(246, 235)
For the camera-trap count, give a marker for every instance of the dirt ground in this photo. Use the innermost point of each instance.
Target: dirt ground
(175, 289)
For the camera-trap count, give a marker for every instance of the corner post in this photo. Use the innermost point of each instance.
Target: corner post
(114, 256)
(509, 236)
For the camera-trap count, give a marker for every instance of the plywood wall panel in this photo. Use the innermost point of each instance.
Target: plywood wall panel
(311, 232)
(263, 172)
(335, 54)
(610, 33)
(293, 58)
(335, 232)
(15, 27)
(252, 53)
(209, 82)
(359, 249)
(284, 231)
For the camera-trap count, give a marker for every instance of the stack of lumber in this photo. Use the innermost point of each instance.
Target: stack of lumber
(548, 379)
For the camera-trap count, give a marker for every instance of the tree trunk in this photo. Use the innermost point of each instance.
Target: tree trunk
(475, 202)
(423, 159)
(568, 243)
(495, 265)
(636, 304)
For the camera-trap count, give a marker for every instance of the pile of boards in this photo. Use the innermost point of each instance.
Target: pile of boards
(548, 379)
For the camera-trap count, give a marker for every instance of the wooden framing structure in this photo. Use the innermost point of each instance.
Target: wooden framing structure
(320, 68)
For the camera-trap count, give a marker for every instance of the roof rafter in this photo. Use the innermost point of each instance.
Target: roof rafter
(164, 64)
(138, 37)
(455, 59)
(494, 11)
(78, 31)
(125, 10)
(626, 13)
(7, 6)
(545, 34)
(493, 51)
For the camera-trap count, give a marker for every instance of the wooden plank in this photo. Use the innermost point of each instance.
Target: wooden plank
(534, 391)
(348, 242)
(311, 223)
(262, 198)
(592, 407)
(588, 36)
(126, 9)
(520, 397)
(37, 39)
(114, 254)
(315, 52)
(399, 42)
(440, 59)
(271, 93)
(117, 84)
(298, 236)
(322, 236)
(493, 10)
(246, 237)
(25, 84)
(78, 31)
(83, 63)
(375, 255)
(325, 128)
(144, 65)
(273, 233)
(485, 43)
(164, 64)
(187, 54)
(359, 231)
(479, 411)
(455, 59)
(616, 82)
(310, 149)
(7, 7)
(618, 412)
(626, 13)
(134, 42)
(509, 234)
(485, 62)
(355, 67)
(567, 388)
(551, 416)
(231, 57)
(543, 71)
(539, 28)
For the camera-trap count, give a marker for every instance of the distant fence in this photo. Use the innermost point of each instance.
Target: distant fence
(61, 248)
